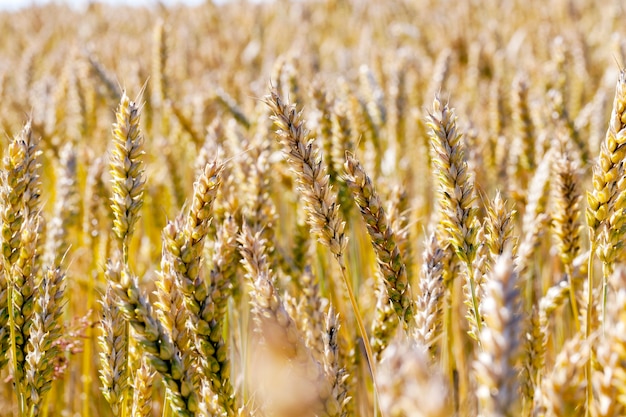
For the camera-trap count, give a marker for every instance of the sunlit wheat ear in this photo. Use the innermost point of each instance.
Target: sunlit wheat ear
(160, 51)
(303, 157)
(565, 219)
(384, 323)
(608, 375)
(382, 237)
(480, 267)
(455, 192)
(429, 306)
(65, 207)
(500, 227)
(320, 201)
(553, 299)
(169, 300)
(4, 317)
(113, 347)
(607, 188)
(399, 212)
(127, 169)
(142, 390)
(183, 243)
(309, 390)
(93, 202)
(535, 216)
(313, 306)
(440, 72)
(522, 159)
(20, 189)
(374, 100)
(612, 358)
(46, 329)
(496, 366)
(259, 210)
(455, 188)
(153, 339)
(532, 363)
(335, 372)
(24, 284)
(409, 385)
(563, 390)
(342, 142)
(18, 193)
(607, 201)
(323, 104)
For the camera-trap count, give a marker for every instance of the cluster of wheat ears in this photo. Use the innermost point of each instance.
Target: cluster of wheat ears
(314, 208)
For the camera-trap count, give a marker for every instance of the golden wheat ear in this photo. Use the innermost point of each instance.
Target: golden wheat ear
(127, 170)
(382, 237)
(495, 368)
(320, 200)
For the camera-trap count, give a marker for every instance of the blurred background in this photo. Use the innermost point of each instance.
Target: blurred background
(18, 4)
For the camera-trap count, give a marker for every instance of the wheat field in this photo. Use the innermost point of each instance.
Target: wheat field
(314, 208)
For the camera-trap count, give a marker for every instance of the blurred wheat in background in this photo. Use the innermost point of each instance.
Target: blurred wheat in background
(314, 208)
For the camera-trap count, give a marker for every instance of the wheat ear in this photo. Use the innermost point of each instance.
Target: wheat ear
(46, 329)
(382, 237)
(409, 386)
(14, 182)
(320, 201)
(429, 308)
(495, 367)
(127, 170)
(566, 216)
(607, 200)
(154, 340)
(280, 335)
(113, 344)
(183, 247)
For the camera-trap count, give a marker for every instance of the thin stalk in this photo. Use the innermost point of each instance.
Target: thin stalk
(167, 410)
(450, 346)
(470, 271)
(572, 296)
(359, 320)
(16, 381)
(87, 359)
(588, 373)
(127, 397)
(605, 288)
